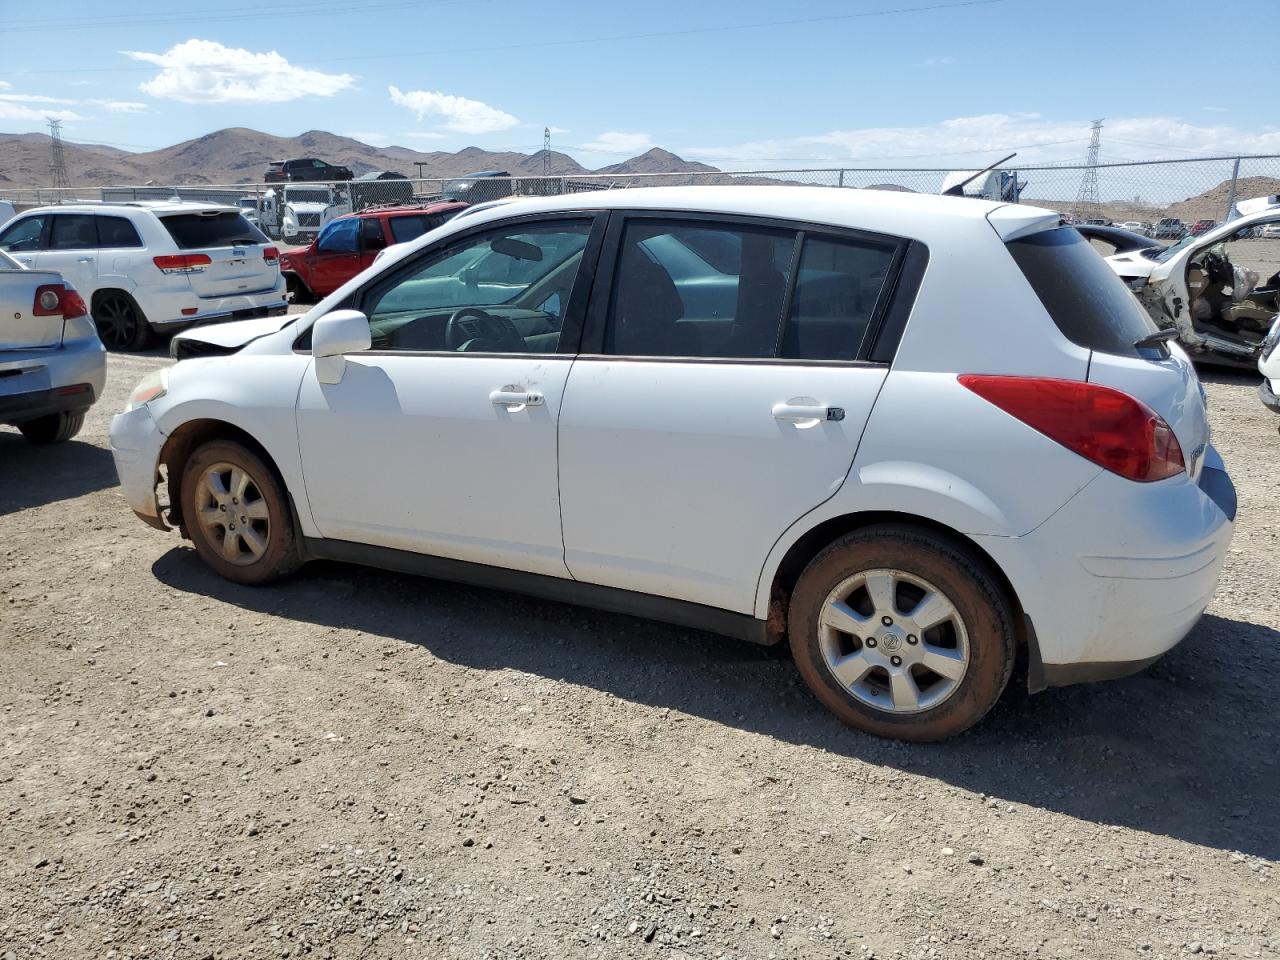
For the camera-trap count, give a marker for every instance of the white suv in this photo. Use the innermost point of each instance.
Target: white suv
(152, 266)
(908, 434)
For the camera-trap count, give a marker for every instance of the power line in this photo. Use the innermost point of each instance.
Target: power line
(535, 44)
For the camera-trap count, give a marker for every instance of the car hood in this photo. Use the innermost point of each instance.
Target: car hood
(1131, 266)
(231, 336)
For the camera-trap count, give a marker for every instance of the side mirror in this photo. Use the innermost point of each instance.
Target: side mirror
(333, 335)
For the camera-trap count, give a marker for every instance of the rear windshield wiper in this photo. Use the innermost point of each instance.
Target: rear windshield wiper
(1160, 336)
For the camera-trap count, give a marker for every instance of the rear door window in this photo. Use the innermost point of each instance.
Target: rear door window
(117, 232)
(195, 231)
(1087, 301)
(838, 289)
(73, 231)
(704, 290)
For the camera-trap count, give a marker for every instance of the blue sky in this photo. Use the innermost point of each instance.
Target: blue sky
(726, 82)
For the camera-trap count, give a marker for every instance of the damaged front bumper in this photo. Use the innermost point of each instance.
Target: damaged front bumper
(136, 442)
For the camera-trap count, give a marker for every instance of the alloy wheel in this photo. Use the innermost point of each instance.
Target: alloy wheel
(893, 641)
(234, 514)
(117, 322)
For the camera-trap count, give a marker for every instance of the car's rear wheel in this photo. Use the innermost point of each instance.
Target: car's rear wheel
(237, 514)
(121, 323)
(902, 633)
(54, 428)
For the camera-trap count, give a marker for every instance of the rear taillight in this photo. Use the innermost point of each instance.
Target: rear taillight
(58, 300)
(182, 262)
(1113, 429)
(270, 253)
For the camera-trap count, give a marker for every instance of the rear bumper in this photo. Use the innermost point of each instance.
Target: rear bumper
(1121, 573)
(273, 308)
(36, 383)
(1267, 394)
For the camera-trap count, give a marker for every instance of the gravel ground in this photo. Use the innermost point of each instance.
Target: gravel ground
(362, 764)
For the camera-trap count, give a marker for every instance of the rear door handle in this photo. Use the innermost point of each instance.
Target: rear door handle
(516, 400)
(806, 412)
(85, 260)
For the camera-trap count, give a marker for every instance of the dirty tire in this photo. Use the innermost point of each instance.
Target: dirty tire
(55, 428)
(120, 321)
(965, 580)
(273, 527)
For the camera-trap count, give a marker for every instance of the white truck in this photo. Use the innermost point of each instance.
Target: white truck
(1003, 186)
(52, 364)
(295, 213)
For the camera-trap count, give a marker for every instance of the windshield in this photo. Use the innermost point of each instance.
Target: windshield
(1168, 252)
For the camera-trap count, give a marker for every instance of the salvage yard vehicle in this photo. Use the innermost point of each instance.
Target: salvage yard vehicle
(146, 267)
(1269, 367)
(1112, 240)
(1218, 291)
(52, 365)
(295, 213)
(1169, 228)
(778, 413)
(478, 187)
(303, 169)
(349, 244)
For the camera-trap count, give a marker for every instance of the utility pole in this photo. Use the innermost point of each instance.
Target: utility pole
(1087, 200)
(546, 151)
(420, 164)
(57, 161)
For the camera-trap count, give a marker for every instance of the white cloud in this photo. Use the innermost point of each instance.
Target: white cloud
(204, 71)
(1215, 109)
(555, 130)
(458, 114)
(967, 140)
(120, 106)
(32, 98)
(628, 144)
(938, 62)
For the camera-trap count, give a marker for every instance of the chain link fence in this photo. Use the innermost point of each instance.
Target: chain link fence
(1136, 193)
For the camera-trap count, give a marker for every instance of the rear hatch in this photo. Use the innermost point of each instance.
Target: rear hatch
(21, 325)
(1094, 309)
(234, 246)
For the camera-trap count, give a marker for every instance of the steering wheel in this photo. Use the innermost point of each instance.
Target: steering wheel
(1218, 267)
(472, 323)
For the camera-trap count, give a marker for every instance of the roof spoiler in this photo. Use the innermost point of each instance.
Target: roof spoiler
(957, 190)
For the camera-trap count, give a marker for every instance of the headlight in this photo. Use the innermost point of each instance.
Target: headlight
(153, 386)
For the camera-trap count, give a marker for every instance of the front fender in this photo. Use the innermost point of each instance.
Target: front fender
(255, 393)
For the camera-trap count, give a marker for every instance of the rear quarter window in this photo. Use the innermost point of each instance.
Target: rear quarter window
(1084, 297)
(195, 231)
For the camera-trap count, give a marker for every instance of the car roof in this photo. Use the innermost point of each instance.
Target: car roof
(135, 206)
(888, 211)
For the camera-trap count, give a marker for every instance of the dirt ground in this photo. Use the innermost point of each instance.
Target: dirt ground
(362, 764)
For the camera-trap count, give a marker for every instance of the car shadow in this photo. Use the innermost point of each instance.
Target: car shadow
(1187, 749)
(31, 474)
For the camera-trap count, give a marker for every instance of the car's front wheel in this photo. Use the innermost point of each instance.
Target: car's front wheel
(902, 633)
(237, 514)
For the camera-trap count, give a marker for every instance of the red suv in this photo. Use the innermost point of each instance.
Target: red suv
(1202, 226)
(348, 245)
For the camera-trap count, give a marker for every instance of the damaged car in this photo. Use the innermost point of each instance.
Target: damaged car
(1218, 290)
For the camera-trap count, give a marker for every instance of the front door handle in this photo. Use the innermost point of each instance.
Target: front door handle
(85, 260)
(516, 400)
(806, 412)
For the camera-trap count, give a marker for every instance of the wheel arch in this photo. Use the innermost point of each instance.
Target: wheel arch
(179, 445)
(782, 579)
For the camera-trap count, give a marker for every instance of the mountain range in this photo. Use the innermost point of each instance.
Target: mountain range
(240, 155)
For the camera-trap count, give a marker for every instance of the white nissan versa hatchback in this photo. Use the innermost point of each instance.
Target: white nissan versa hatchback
(909, 434)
